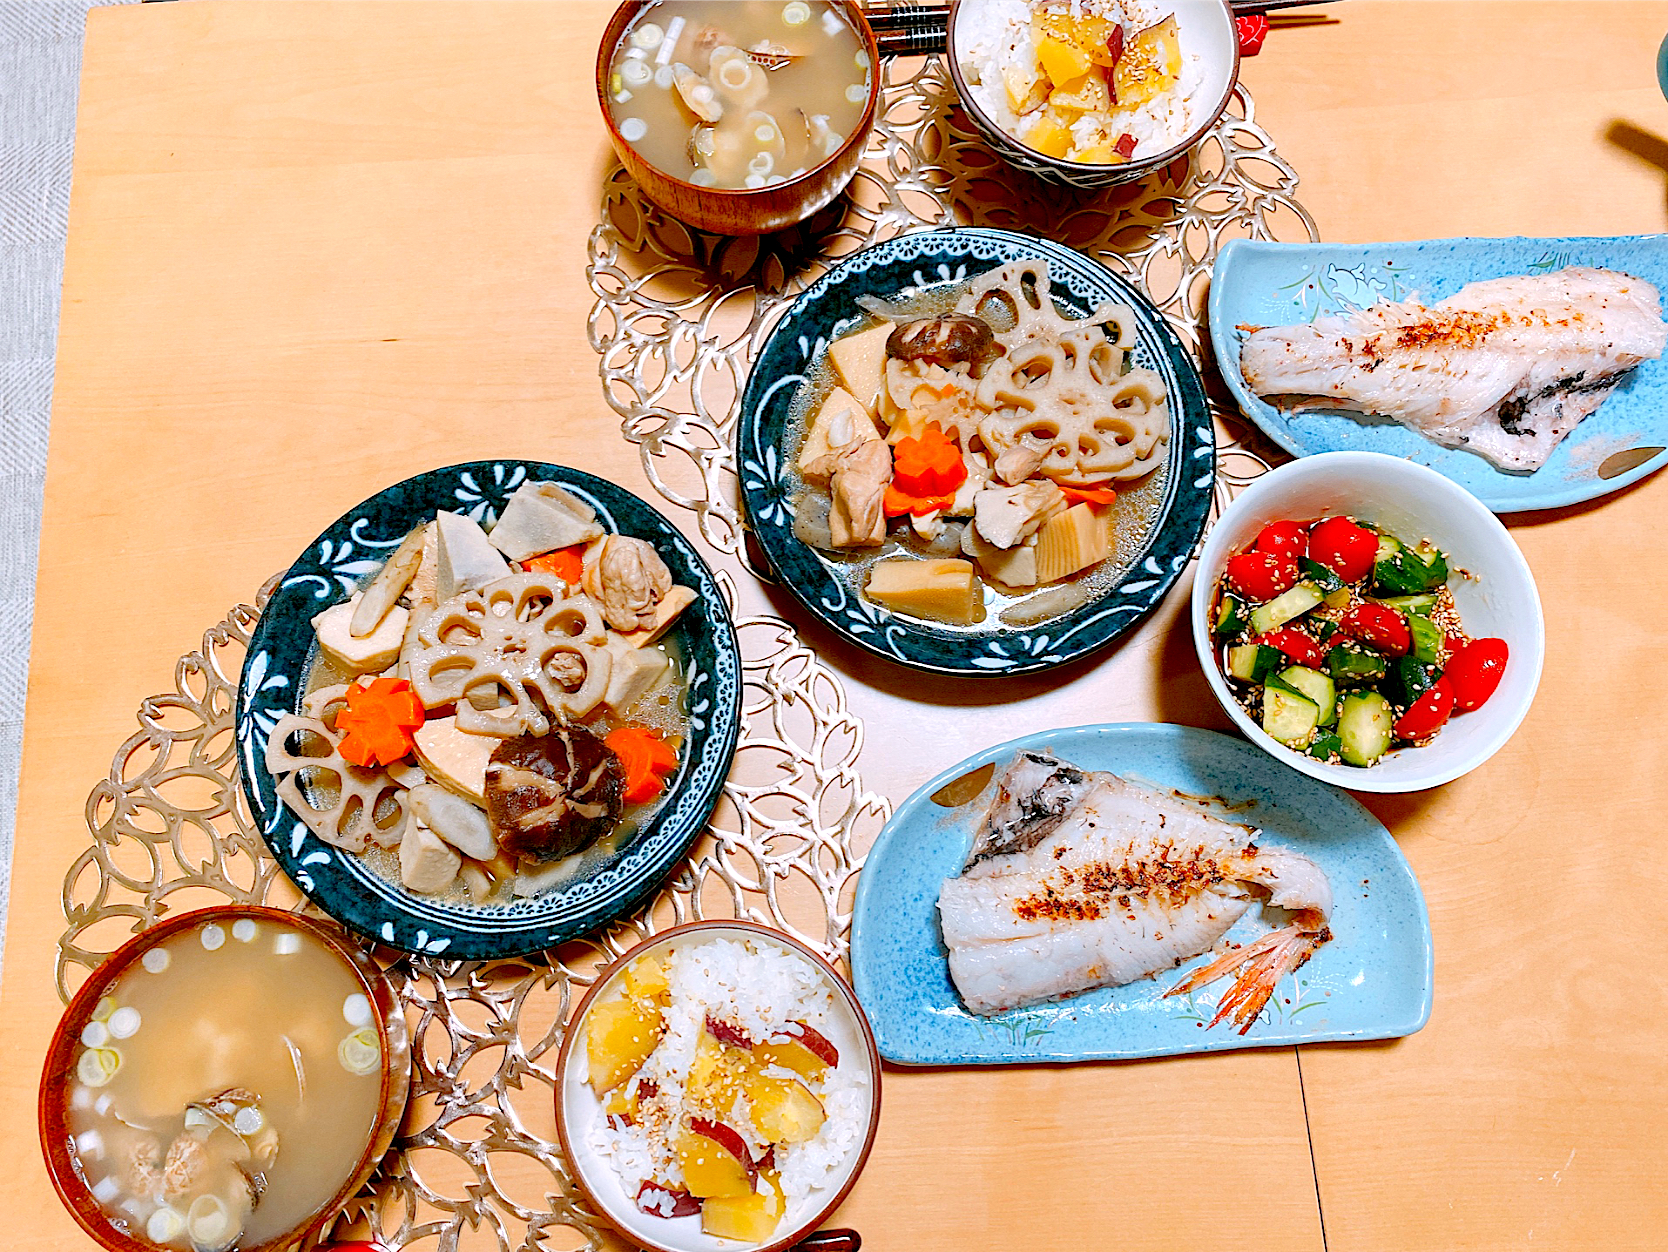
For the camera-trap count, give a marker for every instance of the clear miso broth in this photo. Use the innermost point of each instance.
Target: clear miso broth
(225, 1087)
(738, 93)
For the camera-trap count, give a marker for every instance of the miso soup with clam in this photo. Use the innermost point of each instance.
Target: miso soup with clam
(738, 93)
(226, 1086)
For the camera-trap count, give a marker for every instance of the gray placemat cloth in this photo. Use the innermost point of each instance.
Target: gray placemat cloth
(40, 68)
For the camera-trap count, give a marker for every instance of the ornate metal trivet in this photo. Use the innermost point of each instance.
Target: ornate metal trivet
(477, 1153)
(678, 313)
(676, 319)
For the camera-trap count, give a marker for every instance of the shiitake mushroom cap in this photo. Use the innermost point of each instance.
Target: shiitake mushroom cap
(548, 796)
(947, 339)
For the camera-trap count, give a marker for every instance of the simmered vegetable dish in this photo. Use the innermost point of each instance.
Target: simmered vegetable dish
(1344, 641)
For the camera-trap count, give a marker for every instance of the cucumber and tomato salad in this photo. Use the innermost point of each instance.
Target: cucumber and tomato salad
(1345, 640)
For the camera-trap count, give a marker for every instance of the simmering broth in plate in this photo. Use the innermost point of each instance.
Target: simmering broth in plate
(225, 1087)
(738, 93)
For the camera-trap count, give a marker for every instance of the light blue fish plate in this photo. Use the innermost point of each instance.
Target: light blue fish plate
(905, 266)
(273, 683)
(1279, 284)
(1371, 981)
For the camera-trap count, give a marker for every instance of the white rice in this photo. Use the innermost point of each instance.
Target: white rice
(758, 988)
(995, 35)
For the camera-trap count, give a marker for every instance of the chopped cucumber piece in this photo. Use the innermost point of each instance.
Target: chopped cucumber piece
(1420, 604)
(1407, 680)
(1242, 661)
(1324, 630)
(1410, 572)
(1325, 747)
(1280, 684)
(1427, 640)
(1364, 725)
(1436, 564)
(1317, 687)
(1254, 662)
(1339, 599)
(1289, 717)
(1230, 616)
(1353, 665)
(1324, 578)
(1388, 547)
(1284, 608)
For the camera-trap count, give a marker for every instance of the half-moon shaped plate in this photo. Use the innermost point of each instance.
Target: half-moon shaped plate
(1372, 981)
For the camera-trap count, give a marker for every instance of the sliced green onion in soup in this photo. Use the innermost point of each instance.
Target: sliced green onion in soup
(360, 1052)
(98, 1066)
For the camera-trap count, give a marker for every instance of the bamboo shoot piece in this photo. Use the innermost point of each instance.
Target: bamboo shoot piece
(1072, 541)
(860, 361)
(944, 590)
(388, 585)
(666, 612)
(839, 423)
(371, 654)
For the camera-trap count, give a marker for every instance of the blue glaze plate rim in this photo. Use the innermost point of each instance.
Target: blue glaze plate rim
(928, 258)
(1373, 980)
(272, 684)
(1258, 283)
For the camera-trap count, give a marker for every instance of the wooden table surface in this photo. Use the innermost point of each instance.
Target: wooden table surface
(315, 247)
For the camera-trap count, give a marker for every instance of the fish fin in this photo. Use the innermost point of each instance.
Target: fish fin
(1265, 963)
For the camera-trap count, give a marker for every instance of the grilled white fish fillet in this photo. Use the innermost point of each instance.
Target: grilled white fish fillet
(1125, 883)
(1504, 368)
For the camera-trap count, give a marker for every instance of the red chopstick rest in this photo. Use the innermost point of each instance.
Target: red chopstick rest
(1253, 29)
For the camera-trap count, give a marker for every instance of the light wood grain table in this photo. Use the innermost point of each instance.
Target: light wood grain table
(315, 247)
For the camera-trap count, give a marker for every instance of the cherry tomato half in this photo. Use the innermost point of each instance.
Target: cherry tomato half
(1295, 644)
(1343, 547)
(1428, 714)
(1260, 576)
(1283, 539)
(1475, 671)
(1384, 628)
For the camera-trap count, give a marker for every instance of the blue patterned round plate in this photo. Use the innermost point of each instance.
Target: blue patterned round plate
(343, 885)
(902, 268)
(1372, 981)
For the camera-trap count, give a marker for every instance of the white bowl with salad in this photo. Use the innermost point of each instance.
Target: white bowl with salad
(1367, 621)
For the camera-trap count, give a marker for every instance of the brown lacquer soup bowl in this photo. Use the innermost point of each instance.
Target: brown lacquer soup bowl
(745, 210)
(227, 1079)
